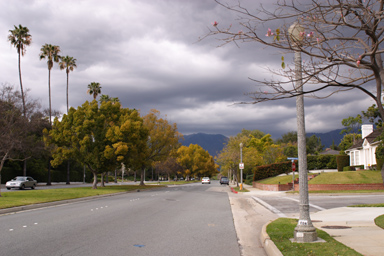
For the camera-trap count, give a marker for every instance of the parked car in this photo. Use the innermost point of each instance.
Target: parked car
(21, 182)
(224, 180)
(205, 180)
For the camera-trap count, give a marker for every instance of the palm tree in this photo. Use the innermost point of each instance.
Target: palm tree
(67, 63)
(106, 98)
(20, 38)
(94, 89)
(51, 52)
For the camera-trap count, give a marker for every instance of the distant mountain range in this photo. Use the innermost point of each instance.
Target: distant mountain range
(214, 143)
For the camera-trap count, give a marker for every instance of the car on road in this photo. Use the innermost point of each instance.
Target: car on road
(224, 180)
(205, 180)
(21, 182)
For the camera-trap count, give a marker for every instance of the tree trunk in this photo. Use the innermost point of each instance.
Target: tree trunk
(25, 168)
(115, 175)
(68, 173)
(94, 185)
(49, 172)
(142, 177)
(382, 173)
(102, 180)
(134, 176)
(21, 87)
(49, 95)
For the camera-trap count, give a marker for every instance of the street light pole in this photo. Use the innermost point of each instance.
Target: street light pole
(241, 169)
(305, 231)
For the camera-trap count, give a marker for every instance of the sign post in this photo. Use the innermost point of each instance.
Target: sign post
(293, 170)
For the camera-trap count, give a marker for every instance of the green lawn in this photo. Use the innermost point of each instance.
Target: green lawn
(380, 221)
(26, 197)
(284, 179)
(353, 177)
(281, 230)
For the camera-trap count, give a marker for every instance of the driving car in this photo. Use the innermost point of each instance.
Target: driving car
(21, 182)
(224, 180)
(206, 180)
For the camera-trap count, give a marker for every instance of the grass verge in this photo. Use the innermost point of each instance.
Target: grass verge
(379, 221)
(238, 189)
(27, 197)
(281, 230)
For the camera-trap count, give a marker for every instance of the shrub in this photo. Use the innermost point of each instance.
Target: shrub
(271, 170)
(321, 162)
(342, 161)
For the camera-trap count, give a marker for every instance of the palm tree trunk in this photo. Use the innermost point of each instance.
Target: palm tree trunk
(49, 95)
(21, 86)
(67, 91)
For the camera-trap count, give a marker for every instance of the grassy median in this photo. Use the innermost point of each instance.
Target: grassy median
(281, 231)
(27, 197)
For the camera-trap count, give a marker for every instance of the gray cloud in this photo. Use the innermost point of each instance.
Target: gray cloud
(147, 53)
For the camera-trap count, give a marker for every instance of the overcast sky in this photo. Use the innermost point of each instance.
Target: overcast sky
(146, 53)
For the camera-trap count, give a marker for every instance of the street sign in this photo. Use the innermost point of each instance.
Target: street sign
(241, 165)
(293, 166)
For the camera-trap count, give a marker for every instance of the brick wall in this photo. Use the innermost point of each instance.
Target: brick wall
(317, 187)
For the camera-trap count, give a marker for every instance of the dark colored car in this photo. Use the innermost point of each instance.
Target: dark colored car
(224, 180)
(21, 182)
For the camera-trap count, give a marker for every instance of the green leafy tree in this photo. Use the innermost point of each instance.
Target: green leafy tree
(69, 64)
(196, 161)
(352, 125)
(20, 38)
(314, 145)
(94, 89)
(51, 53)
(163, 139)
(100, 137)
(348, 141)
(373, 115)
(289, 137)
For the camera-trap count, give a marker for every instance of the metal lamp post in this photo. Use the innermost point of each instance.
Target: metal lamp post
(305, 231)
(241, 166)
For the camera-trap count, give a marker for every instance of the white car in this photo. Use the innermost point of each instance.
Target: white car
(206, 180)
(21, 182)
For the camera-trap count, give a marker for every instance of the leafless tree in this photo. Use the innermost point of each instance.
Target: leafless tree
(19, 134)
(340, 43)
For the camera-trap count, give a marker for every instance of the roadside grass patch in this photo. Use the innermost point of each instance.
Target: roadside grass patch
(379, 221)
(353, 177)
(281, 230)
(238, 189)
(27, 197)
(284, 179)
(367, 205)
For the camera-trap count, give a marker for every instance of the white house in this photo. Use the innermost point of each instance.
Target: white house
(363, 151)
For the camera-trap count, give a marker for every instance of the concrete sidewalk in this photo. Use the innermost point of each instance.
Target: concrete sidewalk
(352, 226)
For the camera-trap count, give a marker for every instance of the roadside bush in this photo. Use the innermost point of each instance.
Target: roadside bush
(321, 162)
(271, 170)
(342, 161)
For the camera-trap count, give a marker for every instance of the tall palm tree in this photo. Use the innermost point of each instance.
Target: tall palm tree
(67, 63)
(20, 38)
(94, 89)
(51, 52)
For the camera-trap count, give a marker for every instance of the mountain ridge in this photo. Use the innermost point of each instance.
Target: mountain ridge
(214, 143)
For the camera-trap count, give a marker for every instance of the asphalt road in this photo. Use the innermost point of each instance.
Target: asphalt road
(193, 219)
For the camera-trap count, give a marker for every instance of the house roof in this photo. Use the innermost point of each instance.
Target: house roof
(371, 138)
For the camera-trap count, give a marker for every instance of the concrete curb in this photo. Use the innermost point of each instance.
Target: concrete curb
(269, 246)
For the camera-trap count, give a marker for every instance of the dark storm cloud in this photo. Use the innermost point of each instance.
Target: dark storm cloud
(149, 55)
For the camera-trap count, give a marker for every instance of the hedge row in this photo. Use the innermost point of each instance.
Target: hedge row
(271, 170)
(313, 163)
